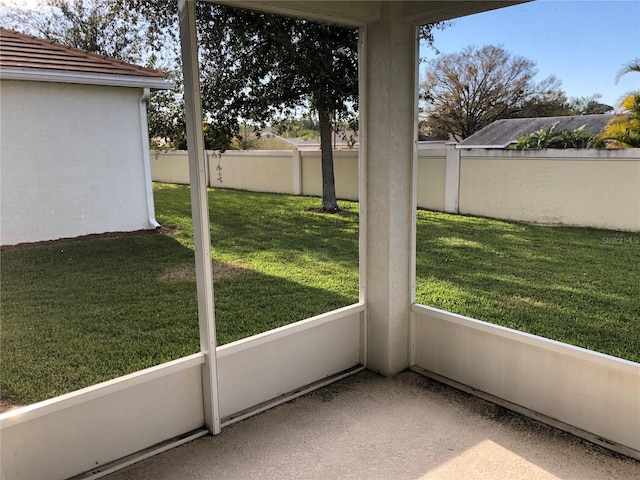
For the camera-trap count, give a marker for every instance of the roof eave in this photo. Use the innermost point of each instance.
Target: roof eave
(485, 147)
(84, 78)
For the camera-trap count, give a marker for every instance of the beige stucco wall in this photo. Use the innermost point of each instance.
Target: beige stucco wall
(258, 171)
(593, 188)
(431, 179)
(170, 167)
(345, 166)
(71, 161)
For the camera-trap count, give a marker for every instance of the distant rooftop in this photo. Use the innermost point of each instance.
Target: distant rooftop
(338, 139)
(501, 133)
(341, 139)
(22, 55)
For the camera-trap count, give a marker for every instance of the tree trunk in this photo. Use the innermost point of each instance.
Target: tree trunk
(329, 201)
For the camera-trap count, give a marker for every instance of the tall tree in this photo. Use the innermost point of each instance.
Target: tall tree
(549, 104)
(556, 104)
(263, 66)
(464, 92)
(259, 68)
(589, 105)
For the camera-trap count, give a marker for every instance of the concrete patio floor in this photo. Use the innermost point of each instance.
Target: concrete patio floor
(370, 427)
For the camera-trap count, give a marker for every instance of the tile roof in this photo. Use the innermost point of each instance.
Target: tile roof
(21, 51)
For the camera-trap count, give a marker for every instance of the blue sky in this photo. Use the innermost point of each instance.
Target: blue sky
(582, 42)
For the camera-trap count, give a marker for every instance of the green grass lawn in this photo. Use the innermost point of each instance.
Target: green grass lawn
(80, 312)
(575, 285)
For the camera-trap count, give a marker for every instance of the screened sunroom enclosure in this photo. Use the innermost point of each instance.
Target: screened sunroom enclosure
(101, 428)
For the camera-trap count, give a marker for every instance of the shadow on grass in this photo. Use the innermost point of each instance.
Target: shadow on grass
(264, 226)
(79, 313)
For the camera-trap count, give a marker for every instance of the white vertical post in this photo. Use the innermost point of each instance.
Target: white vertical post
(200, 212)
(362, 185)
(452, 179)
(414, 199)
(390, 150)
(414, 163)
(297, 171)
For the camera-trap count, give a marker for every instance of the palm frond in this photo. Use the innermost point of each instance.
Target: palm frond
(632, 66)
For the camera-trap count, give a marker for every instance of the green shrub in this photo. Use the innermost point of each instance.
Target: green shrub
(551, 138)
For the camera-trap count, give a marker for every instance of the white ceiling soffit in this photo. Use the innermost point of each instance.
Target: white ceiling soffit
(339, 12)
(367, 11)
(430, 11)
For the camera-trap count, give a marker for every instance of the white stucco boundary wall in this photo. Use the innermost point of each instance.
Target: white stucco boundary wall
(294, 172)
(99, 429)
(291, 172)
(72, 161)
(585, 188)
(589, 394)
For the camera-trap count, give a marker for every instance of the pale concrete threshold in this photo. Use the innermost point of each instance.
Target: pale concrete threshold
(404, 427)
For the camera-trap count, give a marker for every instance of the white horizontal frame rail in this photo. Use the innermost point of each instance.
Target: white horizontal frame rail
(151, 406)
(87, 429)
(262, 371)
(589, 394)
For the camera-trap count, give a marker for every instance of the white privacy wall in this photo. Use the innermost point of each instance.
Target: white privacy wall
(583, 188)
(71, 161)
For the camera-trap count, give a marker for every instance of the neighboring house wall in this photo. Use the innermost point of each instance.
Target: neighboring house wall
(589, 188)
(71, 161)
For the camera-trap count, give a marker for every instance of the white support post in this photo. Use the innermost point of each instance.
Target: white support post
(390, 131)
(452, 179)
(414, 201)
(297, 171)
(362, 185)
(200, 212)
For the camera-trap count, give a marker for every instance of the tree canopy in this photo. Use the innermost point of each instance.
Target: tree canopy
(464, 92)
(92, 25)
(623, 131)
(264, 66)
